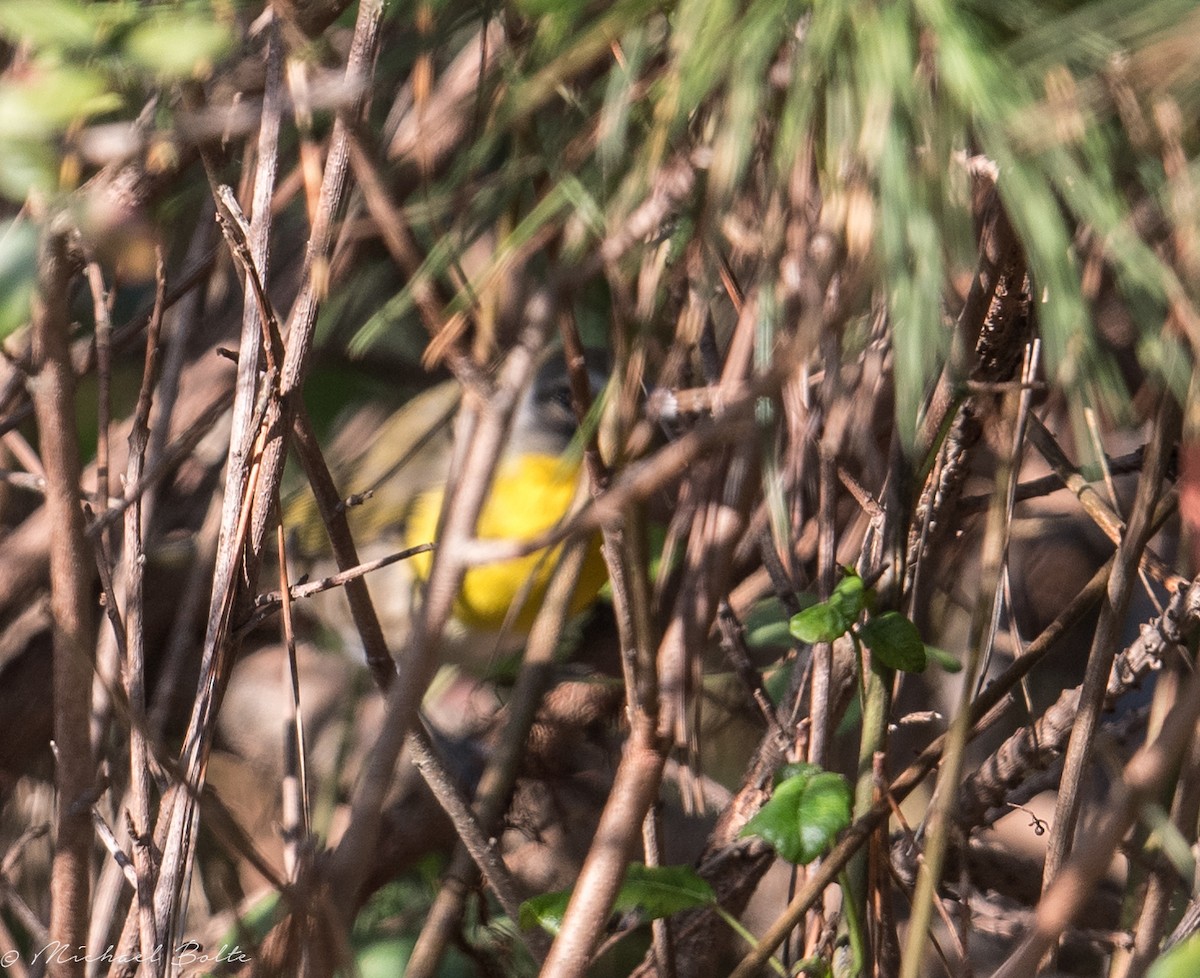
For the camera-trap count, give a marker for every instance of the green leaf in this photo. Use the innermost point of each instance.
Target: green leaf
(821, 623)
(177, 45)
(50, 97)
(895, 641)
(766, 625)
(806, 812)
(653, 891)
(942, 659)
(1182, 961)
(545, 910)
(57, 24)
(659, 891)
(18, 273)
(851, 596)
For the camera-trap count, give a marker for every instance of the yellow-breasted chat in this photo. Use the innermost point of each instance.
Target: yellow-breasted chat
(395, 469)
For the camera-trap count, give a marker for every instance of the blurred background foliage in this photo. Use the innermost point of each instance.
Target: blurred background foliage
(1074, 103)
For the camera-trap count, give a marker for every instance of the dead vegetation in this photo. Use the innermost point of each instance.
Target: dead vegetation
(897, 306)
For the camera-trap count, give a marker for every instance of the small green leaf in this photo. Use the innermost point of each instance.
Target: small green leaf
(821, 623)
(653, 891)
(179, 45)
(942, 659)
(806, 812)
(767, 625)
(895, 641)
(659, 891)
(1182, 961)
(51, 97)
(545, 910)
(54, 24)
(18, 273)
(850, 596)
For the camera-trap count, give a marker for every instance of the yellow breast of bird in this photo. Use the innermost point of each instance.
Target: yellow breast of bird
(530, 495)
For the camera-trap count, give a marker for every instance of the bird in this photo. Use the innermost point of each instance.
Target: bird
(396, 467)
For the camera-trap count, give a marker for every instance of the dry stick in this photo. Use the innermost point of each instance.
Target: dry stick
(109, 840)
(103, 384)
(1106, 639)
(52, 388)
(1092, 503)
(495, 786)
(995, 542)
(134, 673)
(171, 890)
(110, 648)
(345, 554)
(294, 790)
(1164, 882)
(639, 774)
(623, 542)
(265, 605)
(475, 840)
(315, 275)
(1047, 484)
(662, 938)
(350, 860)
(984, 711)
(175, 337)
(822, 653)
(1142, 779)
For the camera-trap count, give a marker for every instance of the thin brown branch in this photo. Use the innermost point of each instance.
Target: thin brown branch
(496, 784)
(294, 803)
(1142, 779)
(1095, 506)
(333, 515)
(128, 638)
(351, 858)
(1035, 488)
(171, 889)
(1130, 554)
(53, 385)
(469, 830)
(267, 604)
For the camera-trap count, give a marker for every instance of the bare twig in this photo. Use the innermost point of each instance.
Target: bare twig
(496, 784)
(1105, 642)
(1142, 778)
(53, 385)
(1100, 512)
(134, 673)
(333, 515)
(295, 782)
(469, 830)
(171, 888)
